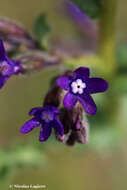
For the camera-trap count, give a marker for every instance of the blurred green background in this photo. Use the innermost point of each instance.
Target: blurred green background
(99, 165)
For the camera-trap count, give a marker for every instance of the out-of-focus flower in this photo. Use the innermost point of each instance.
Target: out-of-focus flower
(76, 13)
(83, 21)
(35, 61)
(47, 118)
(14, 33)
(79, 87)
(9, 46)
(76, 127)
(8, 67)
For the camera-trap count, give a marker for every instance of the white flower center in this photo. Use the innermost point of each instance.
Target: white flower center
(16, 68)
(78, 86)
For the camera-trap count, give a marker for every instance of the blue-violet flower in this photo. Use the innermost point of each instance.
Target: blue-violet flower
(7, 66)
(47, 118)
(79, 87)
(76, 13)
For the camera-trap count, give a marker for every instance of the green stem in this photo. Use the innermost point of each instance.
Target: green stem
(107, 34)
(107, 49)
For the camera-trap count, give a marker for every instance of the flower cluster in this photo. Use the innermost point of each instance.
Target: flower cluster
(64, 112)
(70, 123)
(72, 126)
(8, 67)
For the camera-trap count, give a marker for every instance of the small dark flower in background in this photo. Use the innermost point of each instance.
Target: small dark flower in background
(8, 67)
(76, 127)
(79, 87)
(47, 118)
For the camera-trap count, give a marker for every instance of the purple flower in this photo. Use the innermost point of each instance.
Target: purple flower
(85, 24)
(7, 66)
(75, 13)
(47, 118)
(79, 87)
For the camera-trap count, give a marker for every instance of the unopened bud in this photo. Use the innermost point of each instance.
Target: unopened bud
(76, 127)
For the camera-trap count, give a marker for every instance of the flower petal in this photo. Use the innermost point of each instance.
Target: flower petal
(69, 100)
(87, 102)
(96, 85)
(55, 110)
(79, 82)
(63, 82)
(82, 72)
(35, 111)
(57, 125)
(29, 126)
(83, 85)
(2, 51)
(52, 109)
(75, 89)
(80, 90)
(45, 132)
(73, 84)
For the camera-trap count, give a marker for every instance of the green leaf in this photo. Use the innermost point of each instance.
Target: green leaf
(41, 28)
(90, 7)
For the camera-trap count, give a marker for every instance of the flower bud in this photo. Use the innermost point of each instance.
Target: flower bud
(35, 61)
(75, 126)
(14, 33)
(53, 97)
